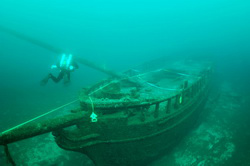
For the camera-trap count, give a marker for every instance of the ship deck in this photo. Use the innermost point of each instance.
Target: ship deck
(151, 84)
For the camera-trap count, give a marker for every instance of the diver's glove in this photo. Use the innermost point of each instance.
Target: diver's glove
(53, 67)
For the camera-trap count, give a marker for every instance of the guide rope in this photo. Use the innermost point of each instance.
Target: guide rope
(53, 110)
(139, 75)
(150, 84)
(93, 116)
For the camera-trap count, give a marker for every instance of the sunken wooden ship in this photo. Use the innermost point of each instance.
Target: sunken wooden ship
(135, 119)
(130, 118)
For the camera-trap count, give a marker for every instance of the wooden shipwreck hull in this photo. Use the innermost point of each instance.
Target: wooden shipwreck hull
(141, 116)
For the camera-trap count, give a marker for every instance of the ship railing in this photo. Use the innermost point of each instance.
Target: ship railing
(179, 100)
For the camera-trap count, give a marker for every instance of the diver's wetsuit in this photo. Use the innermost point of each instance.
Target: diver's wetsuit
(62, 73)
(60, 76)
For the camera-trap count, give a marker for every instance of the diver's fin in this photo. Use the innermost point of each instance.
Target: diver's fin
(45, 80)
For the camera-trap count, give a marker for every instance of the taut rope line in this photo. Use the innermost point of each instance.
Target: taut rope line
(53, 110)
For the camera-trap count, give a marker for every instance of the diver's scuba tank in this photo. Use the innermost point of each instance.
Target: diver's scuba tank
(65, 62)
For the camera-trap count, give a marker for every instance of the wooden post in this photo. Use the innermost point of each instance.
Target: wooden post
(192, 91)
(195, 89)
(168, 106)
(156, 113)
(142, 109)
(187, 94)
(185, 84)
(177, 99)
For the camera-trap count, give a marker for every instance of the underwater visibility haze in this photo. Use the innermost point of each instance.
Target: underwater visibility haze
(117, 36)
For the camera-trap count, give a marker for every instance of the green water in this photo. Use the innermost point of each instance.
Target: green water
(119, 35)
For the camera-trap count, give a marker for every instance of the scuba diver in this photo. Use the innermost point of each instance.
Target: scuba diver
(66, 66)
